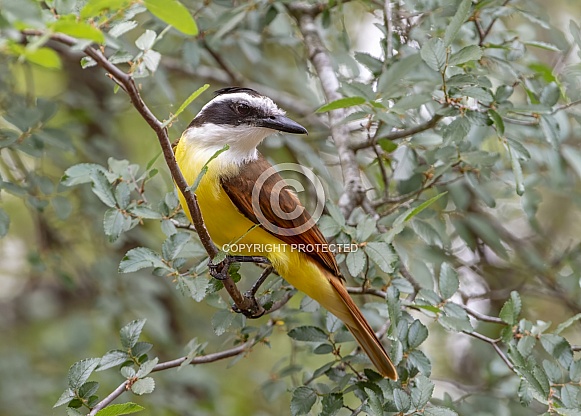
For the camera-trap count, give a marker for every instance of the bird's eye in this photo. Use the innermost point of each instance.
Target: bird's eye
(243, 109)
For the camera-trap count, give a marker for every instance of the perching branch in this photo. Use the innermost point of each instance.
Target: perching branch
(125, 81)
(202, 359)
(319, 56)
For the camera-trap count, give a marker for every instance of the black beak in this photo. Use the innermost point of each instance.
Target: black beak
(282, 123)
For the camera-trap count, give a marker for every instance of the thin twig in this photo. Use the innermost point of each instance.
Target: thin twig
(399, 134)
(494, 344)
(482, 317)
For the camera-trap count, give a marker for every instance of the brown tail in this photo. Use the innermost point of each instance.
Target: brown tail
(363, 333)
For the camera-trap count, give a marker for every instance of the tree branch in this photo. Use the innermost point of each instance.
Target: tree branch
(319, 56)
(125, 80)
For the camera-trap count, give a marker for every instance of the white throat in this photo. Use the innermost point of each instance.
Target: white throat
(242, 141)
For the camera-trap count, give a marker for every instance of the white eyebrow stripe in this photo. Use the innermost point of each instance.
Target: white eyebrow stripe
(263, 103)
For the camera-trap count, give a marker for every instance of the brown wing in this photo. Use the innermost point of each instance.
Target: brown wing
(277, 209)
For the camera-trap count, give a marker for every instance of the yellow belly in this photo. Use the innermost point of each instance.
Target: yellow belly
(227, 225)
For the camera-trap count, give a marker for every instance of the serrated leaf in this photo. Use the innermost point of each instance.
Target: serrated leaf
(80, 173)
(173, 13)
(550, 94)
(174, 244)
(121, 28)
(146, 367)
(374, 402)
(448, 282)
(140, 258)
(120, 409)
(222, 320)
(511, 309)
(143, 386)
(102, 188)
(356, 261)
(434, 54)
(141, 348)
(113, 358)
(575, 371)
(457, 21)
(146, 40)
(88, 389)
(558, 347)
(115, 223)
(145, 213)
(151, 60)
(525, 394)
(308, 334)
(66, 397)
(302, 401)
(130, 333)
(467, 54)
(402, 400)
(421, 392)
(81, 371)
(382, 254)
(571, 396)
(332, 403)
(341, 103)
(417, 333)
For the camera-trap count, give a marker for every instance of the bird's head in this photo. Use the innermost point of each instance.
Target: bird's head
(240, 118)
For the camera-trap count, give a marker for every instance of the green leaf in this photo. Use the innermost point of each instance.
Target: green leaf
(448, 282)
(566, 324)
(147, 367)
(88, 389)
(65, 398)
(173, 245)
(81, 371)
(196, 183)
(550, 94)
(543, 45)
(186, 103)
(457, 21)
(332, 403)
(115, 223)
(308, 334)
(511, 309)
(517, 172)
(558, 347)
(102, 188)
(387, 145)
(374, 402)
(382, 254)
(439, 411)
(421, 392)
(141, 348)
(140, 258)
(94, 7)
(130, 333)
(143, 386)
(120, 409)
(341, 103)
(43, 56)
(417, 334)
(302, 400)
(79, 30)
(575, 371)
(173, 13)
(467, 54)
(525, 394)
(402, 400)
(356, 261)
(434, 54)
(222, 320)
(146, 40)
(423, 206)
(80, 173)
(498, 122)
(113, 358)
(4, 223)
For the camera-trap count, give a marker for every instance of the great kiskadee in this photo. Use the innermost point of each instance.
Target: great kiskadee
(241, 118)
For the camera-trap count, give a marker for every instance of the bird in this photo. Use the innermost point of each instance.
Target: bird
(239, 119)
